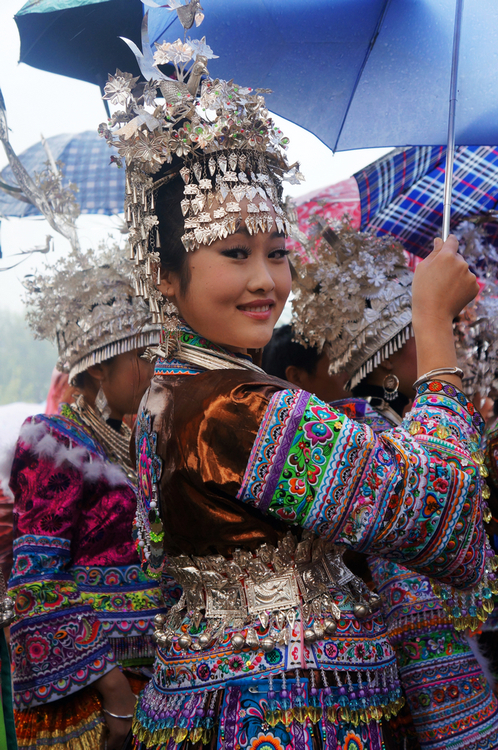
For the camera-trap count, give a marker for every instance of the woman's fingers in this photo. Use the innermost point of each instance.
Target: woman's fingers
(451, 245)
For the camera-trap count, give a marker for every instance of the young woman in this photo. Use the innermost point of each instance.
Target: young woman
(249, 489)
(83, 635)
(451, 703)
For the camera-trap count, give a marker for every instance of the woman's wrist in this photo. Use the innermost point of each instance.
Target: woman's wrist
(435, 346)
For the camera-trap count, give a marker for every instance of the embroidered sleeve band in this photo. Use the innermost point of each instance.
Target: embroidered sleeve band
(411, 499)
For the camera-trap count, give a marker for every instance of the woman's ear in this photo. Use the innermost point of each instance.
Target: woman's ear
(168, 287)
(96, 372)
(386, 365)
(294, 375)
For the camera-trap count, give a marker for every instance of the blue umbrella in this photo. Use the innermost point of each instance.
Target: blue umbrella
(357, 73)
(79, 38)
(402, 193)
(85, 157)
(362, 73)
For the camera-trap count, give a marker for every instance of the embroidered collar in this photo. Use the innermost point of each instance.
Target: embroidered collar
(187, 336)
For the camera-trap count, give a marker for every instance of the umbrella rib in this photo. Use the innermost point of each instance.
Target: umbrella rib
(376, 33)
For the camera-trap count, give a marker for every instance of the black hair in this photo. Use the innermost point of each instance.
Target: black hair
(282, 351)
(171, 229)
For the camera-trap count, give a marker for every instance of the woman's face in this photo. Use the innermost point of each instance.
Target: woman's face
(237, 290)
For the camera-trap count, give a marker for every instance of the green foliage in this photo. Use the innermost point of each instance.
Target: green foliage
(26, 364)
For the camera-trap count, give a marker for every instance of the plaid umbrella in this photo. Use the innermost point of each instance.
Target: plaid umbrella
(402, 193)
(85, 157)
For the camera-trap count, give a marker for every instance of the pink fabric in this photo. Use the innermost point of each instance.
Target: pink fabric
(331, 203)
(81, 599)
(59, 392)
(6, 521)
(56, 501)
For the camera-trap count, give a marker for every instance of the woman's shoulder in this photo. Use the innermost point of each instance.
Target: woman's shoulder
(213, 392)
(42, 432)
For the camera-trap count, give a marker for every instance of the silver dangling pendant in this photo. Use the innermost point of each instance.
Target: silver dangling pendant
(101, 405)
(390, 384)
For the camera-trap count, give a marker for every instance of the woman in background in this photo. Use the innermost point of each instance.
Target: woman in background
(442, 671)
(82, 643)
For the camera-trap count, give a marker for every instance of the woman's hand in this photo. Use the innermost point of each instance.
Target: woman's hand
(441, 288)
(118, 698)
(442, 285)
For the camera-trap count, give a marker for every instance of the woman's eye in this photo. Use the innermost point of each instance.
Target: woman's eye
(278, 254)
(238, 253)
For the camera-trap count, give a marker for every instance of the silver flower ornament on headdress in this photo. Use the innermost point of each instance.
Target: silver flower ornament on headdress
(229, 147)
(353, 298)
(86, 304)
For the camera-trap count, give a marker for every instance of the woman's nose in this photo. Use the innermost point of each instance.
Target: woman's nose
(261, 277)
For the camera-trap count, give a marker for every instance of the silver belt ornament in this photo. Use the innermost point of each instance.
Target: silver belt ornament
(267, 588)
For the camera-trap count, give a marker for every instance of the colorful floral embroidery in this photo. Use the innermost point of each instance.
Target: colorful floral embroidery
(390, 495)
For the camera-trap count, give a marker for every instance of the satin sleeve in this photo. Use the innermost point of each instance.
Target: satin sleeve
(410, 495)
(58, 644)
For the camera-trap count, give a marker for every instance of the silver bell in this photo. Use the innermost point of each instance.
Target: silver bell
(267, 644)
(237, 640)
(330, 626)
(374, 602)
(159, 620)
(185, 641)
(360, 611)
(204, 640)
(163, 641)
(319, 630)
(309, 635)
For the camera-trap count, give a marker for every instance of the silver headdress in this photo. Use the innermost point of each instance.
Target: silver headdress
(86, 304)
(217, 135)
(353, 299)
(476, 330)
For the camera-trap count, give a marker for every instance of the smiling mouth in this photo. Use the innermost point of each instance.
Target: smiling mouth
(252, 308)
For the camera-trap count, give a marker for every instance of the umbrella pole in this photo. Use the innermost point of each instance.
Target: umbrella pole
(450, 149)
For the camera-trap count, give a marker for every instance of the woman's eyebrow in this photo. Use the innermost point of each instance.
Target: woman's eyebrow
(242, 229)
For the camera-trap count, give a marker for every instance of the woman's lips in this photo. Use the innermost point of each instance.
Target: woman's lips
(257, 310)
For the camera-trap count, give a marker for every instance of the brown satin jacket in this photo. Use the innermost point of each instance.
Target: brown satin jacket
(205, 447)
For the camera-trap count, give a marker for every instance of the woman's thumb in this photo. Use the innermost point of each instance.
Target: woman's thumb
(438, 244)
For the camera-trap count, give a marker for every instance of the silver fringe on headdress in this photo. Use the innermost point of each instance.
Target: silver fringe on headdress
(353, 300)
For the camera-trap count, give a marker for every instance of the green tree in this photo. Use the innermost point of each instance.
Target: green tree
(26, 364)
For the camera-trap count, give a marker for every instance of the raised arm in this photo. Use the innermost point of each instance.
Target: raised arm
(442, 286)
